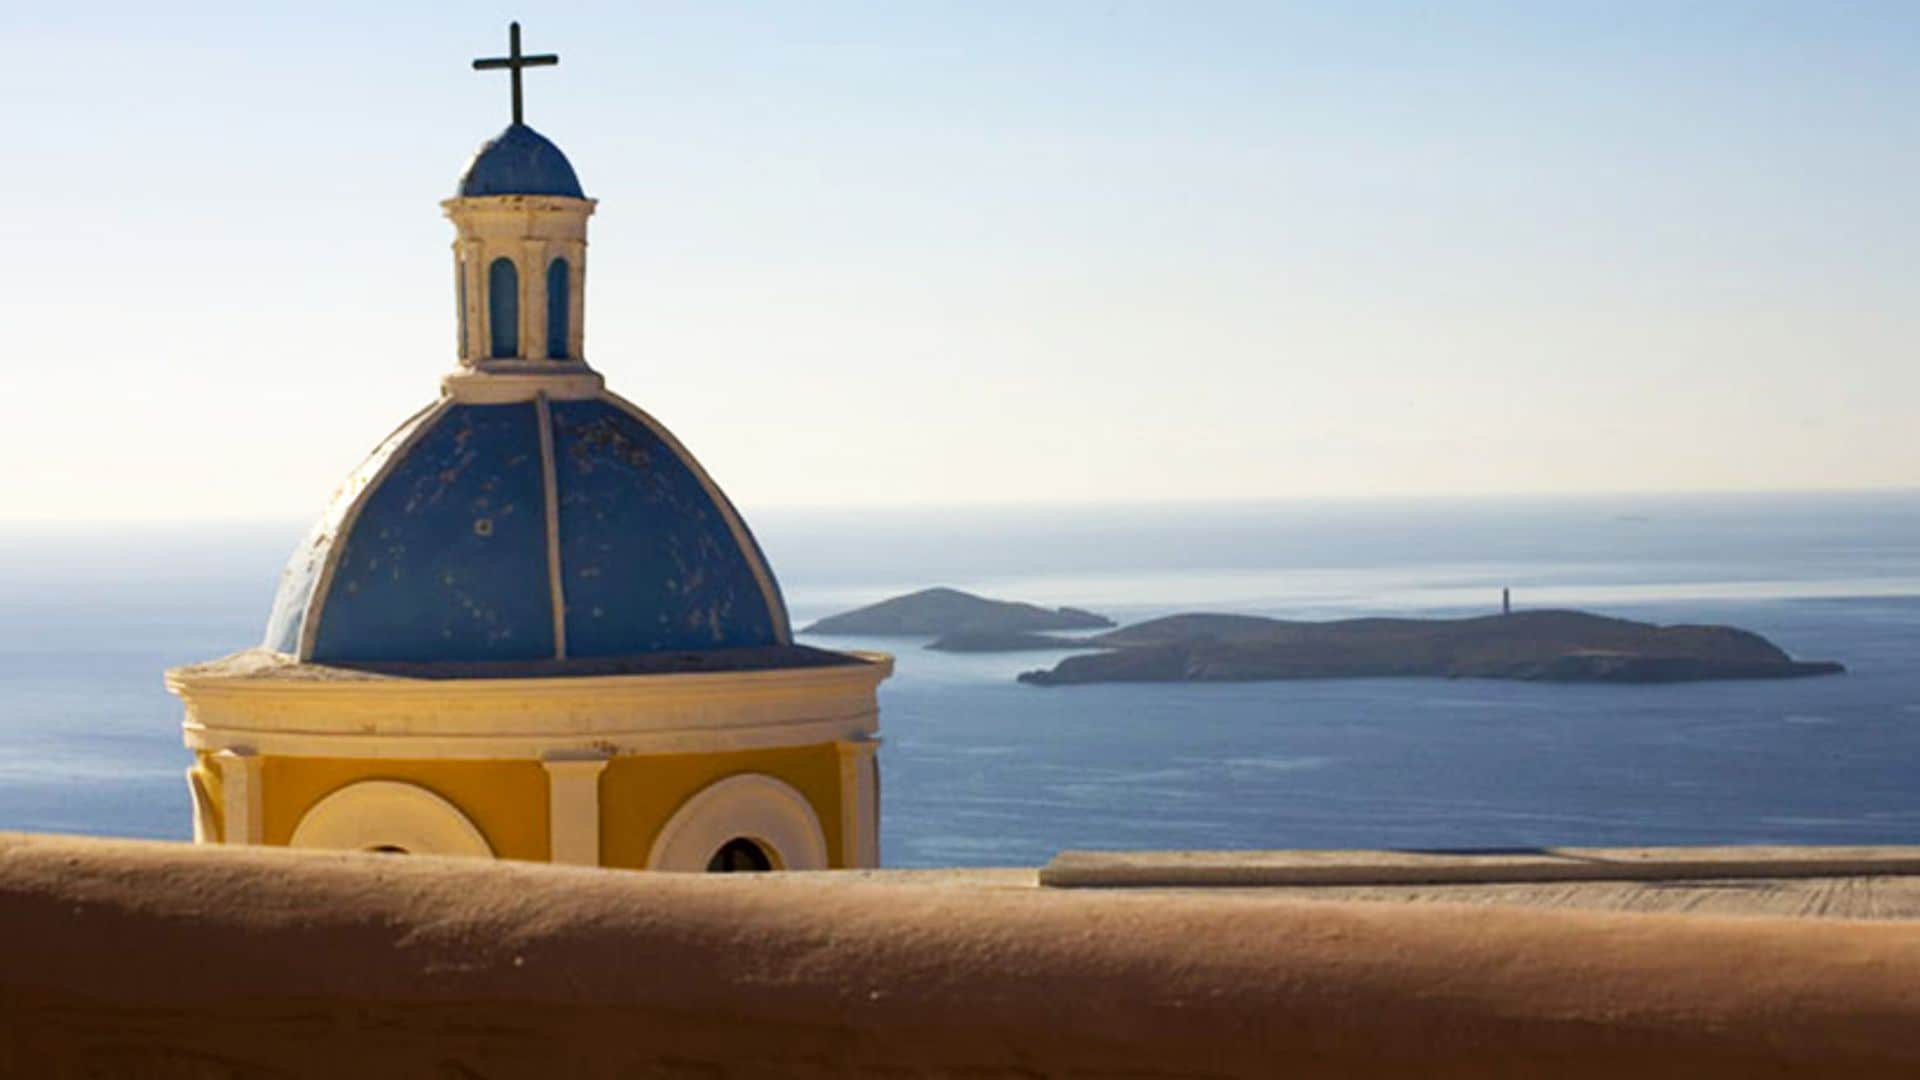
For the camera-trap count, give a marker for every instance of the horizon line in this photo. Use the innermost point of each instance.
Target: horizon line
(989, 506)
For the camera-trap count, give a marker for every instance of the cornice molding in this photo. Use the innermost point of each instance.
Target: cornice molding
(503, 382)
(530, 717)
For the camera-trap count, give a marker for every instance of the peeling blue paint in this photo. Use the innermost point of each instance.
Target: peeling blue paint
(447, 559)
(519, 161)
(647, 559)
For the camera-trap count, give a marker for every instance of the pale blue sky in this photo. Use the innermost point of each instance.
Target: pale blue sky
(915, 253)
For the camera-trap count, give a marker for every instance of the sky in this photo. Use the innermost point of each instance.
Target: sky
(987, 253)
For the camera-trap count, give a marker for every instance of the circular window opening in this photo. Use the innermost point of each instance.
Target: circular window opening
(739, 856)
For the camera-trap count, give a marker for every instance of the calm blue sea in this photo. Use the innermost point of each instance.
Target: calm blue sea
(980, 770)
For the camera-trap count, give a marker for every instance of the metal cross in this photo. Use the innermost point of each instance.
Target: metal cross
(513, 62)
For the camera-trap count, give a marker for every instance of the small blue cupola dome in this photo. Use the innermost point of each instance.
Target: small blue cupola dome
(527, 531)
(519, 161)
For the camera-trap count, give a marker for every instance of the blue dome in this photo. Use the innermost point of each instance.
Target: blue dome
(458, 538)
(519, 161)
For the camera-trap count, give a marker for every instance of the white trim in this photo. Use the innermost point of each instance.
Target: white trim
(530, 745)
(327, 715)
(573, 809)
(870, 802)
(502, 382)
(460, 302)
(374, 814)
(296, 679)
(288, 710)
(755, 806)
(533, 298)
(742, 536)
(344, 685)
(511, 205)
(239, 795)
(466, 251)
(203, 815)
(422, 421)
(577, 300)
(859, 802)
(550, 485)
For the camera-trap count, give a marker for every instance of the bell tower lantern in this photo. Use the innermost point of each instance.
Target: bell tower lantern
(520, 253)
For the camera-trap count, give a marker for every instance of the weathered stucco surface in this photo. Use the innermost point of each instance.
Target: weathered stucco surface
(455, 541)
(168, 960)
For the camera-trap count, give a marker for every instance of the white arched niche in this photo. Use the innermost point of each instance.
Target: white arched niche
(386, 815)
(750, 806)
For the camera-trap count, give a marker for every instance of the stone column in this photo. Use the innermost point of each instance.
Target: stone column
(577, 300)
(240, 794)
(859, 803)
(573, 808)
(533, 299)
(472, 323)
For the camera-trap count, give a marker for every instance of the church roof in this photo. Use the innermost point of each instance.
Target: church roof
(519, 161)
(524, 531)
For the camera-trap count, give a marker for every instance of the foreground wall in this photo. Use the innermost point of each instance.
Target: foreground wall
(167, 960)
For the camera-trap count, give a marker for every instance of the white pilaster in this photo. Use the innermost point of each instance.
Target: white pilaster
(460, 302)
(472, 348)
(573, 808)
(533, 299)
(577, 300)
(240, 794)
(484, 254)
(203, 812)
(859, 802)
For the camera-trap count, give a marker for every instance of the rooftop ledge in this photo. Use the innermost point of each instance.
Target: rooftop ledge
(498, 382)
(1188, 869)
(163, 959)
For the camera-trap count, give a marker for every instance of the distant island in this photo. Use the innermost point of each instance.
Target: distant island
(1537, 646)
(940, 612)
(1533, 646)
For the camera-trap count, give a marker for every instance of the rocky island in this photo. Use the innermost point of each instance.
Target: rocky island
(941, 612)
(1539, 646)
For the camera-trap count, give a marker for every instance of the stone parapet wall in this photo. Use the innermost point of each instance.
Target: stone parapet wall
(123, 957)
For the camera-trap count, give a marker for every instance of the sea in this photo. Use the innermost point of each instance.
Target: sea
(980, 770)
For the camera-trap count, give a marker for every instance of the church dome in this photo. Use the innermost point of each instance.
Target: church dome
(519, 161)
(526, 530)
